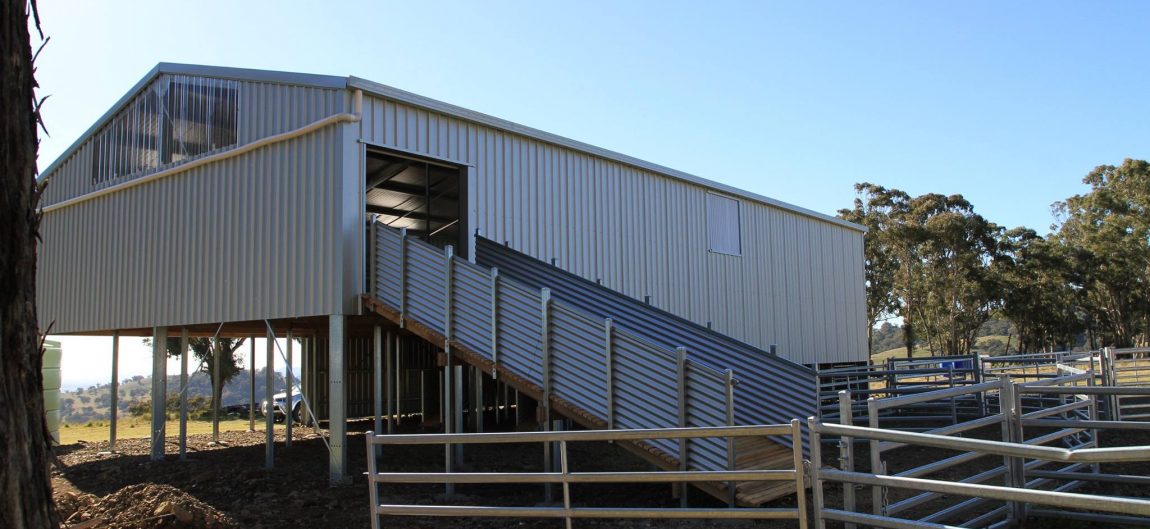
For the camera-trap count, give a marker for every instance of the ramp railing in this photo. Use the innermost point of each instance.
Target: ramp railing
(585, 363)
(772, 389)
(565, 477)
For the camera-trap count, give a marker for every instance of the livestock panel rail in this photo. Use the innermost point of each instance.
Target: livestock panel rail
(897, 377)
(1130, 368)
(566, 477)
(1036, 478)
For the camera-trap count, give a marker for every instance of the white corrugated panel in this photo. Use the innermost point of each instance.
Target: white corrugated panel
(797, 282)
(251, 237)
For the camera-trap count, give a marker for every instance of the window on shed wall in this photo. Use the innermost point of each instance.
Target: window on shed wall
(724, 234)
(176, 118)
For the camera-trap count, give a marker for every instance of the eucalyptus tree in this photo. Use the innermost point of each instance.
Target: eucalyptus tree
(873, 210)
(1035, 277)
(1106, 233)
(25, 444)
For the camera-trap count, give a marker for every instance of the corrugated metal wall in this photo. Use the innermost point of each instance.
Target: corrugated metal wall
(251, 237)
(798, 283)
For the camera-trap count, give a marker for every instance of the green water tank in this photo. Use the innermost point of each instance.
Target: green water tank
(52, 387)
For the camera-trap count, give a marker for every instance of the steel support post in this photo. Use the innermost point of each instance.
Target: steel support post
(290, 400)
(390, 380)
(269, 395)
(252, 386)
(545, 401)
(159, 390)
(681, 382)
(115, 412)
(457, 398)
(183, 393)
(609, 364)
(846, 454)
(394, 403)
(445, 415)
(337, 398)
(816, 479)
(732, 493)
(217, 391)
(377, 377)
(878, 494)
(494, 323)
(402, 277)
(478, 377)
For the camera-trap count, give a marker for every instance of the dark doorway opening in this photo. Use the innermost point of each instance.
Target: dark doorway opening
(426, 197)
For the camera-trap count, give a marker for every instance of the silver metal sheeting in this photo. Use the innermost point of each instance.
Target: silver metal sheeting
(771, 389)
(798, 282)
(640, 390)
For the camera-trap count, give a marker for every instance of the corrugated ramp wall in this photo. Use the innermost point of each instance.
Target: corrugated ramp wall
(620, 378)
(771, 389)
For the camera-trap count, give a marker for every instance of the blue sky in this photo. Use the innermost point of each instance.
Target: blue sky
(1007, 103)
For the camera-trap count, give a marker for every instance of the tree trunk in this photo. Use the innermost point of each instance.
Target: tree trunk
(25, 445)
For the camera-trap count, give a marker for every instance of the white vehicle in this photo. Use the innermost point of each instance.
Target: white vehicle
(280, 400)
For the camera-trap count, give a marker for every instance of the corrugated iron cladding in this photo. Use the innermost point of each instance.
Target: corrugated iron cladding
(798, 282)
(646, 389)
(250, 237)
(771, 390)
(264, 109)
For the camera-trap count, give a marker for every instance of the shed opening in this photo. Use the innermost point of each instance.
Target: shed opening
(423, 196)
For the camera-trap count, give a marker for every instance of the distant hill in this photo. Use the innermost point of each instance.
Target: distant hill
(93, 403)
(992, 339)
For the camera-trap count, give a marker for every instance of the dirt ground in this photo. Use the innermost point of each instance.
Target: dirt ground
(227, 487)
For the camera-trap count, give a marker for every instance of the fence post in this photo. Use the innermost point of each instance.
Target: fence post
(846, 455)
(495, 324)
(402, 277)
(878, 494)
(449, 403)
(373, 488)
(545, 343)
(681, 369)
(1111, 373)
(448, 293)
(800, 476)
(609, 353)
(816, 478)
(731, 485)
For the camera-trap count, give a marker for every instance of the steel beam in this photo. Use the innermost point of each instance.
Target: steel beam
(337, 399)
(290, 391)
(159, 389)
(115, 391)
(269, 395)
(183, 393)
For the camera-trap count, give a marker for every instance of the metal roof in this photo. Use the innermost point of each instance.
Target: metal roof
(382, 90)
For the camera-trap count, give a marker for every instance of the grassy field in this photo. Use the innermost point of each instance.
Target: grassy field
(140, 428)
(900, 352)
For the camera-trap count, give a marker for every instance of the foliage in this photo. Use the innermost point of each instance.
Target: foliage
(204, 351)
(881, 266)
(944, 270)
(929, 261)
(1106, 233)
(1036, 291)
